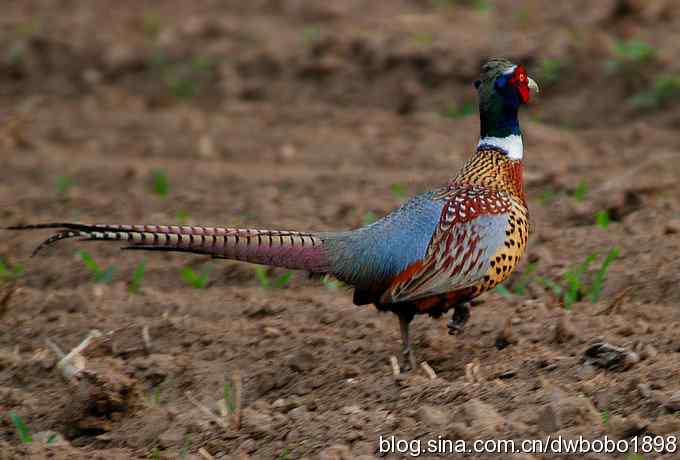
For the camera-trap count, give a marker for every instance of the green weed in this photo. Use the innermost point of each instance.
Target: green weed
(155, 454)
(580, 192)
(634, 456)
(186, 447)
(455, 111)
(262, 274)
(574, 288)
(160, 183)
(21, 428)
(154, 398)
(398, 190)
(229, 397)
(63, 184)
(605, 416)
(630, 55)
(151, 24)
(331, 283)
(197, 280)
(182, 216)
(311, 35)
(10, 273)
(664, 92)
(547, 196)
(98, 274)
(598, 281)
(284, 455)
(423, 37)
(137, 278)
(183, 78)
(602, 219)
(520, 286)
(549, 71)
(368, 218)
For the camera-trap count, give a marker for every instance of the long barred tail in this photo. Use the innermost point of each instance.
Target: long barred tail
(296, 250)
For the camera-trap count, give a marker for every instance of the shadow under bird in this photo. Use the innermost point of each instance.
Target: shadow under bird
(436, 252)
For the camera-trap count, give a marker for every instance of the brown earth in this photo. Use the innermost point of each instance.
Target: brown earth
(304, 115)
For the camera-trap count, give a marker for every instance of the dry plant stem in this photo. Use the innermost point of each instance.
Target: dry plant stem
(147, 338)
(238, 399)
(73, 363)
(205, 454)
(394, 363)
(205, 410)
(428, 370)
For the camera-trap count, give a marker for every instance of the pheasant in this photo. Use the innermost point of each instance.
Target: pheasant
(436, 252)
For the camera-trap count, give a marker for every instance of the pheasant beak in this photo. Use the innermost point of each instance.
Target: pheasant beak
(533, 86)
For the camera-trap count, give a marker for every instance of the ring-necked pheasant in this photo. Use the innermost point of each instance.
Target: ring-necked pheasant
(437, 251)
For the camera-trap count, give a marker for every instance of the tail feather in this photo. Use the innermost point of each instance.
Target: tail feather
(296, 250)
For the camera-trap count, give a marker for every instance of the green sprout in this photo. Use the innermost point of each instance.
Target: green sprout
(368, 218)
(284, 455)
(311, 35)
(664, 91)
(182, 216)
(161, 185)
(602, 219)
(155, 454)
(598, 282)
(21, 428)
(331, 283)
(154, 399)
(151, 24)
(549, 71)
(574, 288)
(398, 190)
(197, 280)
(605, 416)
(262, 274)
(8, 273)
(98, 274)
(518, 287)
(229, 398)
(456, 111)
(630, 55)
(580, 191)
(137, 278)
(63, 184)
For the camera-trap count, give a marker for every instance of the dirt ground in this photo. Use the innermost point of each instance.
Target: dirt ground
(307, 115)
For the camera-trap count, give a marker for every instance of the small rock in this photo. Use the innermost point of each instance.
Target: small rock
(673, 403)
(664, 425)
(298, 413)
(648, 352)
(52, 438)
(336, 452)
(506, 336)
(547, 419)
(248, 446)
(624, 427)
(257, 422)
(645, 390)
(302, 361)
(433, 417)
(672, 226)
(482, 415)
(564, 330)
(611, 357)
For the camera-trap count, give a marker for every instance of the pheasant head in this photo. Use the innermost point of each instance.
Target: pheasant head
(503, 88)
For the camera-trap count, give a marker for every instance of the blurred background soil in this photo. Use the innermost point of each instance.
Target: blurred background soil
(308, 115)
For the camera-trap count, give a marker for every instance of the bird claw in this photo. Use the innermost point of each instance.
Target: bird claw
(460, 317)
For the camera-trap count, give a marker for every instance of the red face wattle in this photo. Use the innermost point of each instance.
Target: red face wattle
(520, 81)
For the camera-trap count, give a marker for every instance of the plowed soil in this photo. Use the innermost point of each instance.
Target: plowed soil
(307, 115)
